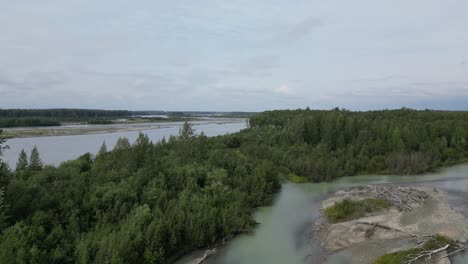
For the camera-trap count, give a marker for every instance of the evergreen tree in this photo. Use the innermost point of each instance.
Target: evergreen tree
(122, 143)
(35, 162)
(103, 149)
(4, 181)
(4, 170)
(2, 209)
(2, 145)
(23, 162)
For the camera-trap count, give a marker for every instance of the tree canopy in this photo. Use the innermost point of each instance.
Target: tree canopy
(149, 202)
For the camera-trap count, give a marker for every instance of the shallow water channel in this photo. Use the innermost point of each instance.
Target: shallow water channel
(285, 234)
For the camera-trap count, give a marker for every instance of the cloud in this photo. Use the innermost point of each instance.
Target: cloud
(303, 28)
(381, 79)
(415, 90)
(284, 90)
(182, 54)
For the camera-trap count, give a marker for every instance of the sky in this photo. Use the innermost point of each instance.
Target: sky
(236, 55)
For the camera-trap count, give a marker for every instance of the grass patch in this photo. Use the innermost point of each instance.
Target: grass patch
(401, 256)
(296, 178)
(352, 209)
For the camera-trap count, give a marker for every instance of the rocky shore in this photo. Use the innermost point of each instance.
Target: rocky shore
(416, 216)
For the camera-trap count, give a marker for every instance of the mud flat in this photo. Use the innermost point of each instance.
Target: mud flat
(415, 218)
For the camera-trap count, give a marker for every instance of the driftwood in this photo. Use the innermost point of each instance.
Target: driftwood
(448, 255)
(206, 256)
(401, 198)
(425, 254)
(422, 238)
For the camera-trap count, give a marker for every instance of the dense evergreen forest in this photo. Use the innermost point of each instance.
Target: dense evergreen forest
(53, 117)
(148, 202)
(323, 145)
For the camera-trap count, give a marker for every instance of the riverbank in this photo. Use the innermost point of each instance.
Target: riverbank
(416, 216)
(285, 233)
(69, 129)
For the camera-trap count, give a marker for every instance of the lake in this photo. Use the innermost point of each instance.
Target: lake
(285, 233)
(56, 149)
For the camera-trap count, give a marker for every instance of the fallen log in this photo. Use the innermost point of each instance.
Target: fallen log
(401, 198)
(425, 254)
(206, 256)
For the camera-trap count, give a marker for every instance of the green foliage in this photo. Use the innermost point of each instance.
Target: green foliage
(71, 114)
(349, 209)
(187, 132)
(324, 145)
(102, 149)
(401, 256)
(295, 178)
(23, 163)
(139, 203)
(4, 181)
(35, 162)
(2, 143)
(148, 202)
(27, 122)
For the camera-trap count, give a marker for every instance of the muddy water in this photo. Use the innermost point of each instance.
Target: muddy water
(285, 234)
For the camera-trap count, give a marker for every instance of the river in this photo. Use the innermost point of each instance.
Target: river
(56, 149)
(285, 233)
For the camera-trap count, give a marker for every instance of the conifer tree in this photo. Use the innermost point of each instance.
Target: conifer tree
(122, 143)
(23, 162)
(103, 149)
(35, 162)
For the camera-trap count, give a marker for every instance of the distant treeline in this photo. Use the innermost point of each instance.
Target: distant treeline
(61, 114)
(27, 122)
(53, 117)
(76, 114)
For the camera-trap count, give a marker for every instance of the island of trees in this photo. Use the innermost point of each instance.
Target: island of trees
(149, 202)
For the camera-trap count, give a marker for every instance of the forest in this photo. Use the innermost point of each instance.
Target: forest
(150, 202)
(61, 114)
(54, 117)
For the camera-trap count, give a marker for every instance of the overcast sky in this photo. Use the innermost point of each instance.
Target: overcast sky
(247, 55)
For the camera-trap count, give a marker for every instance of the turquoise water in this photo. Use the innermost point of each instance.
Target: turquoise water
(284, 234)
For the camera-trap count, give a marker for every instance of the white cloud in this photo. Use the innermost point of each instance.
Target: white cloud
(284, 90)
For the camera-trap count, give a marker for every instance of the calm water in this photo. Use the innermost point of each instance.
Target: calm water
(284, 233)
(285, 230)
(56, 149)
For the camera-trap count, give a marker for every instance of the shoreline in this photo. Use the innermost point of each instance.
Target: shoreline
(90, 129)
(425, 212)
(190, 256)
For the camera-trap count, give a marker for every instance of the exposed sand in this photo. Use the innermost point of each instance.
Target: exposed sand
(366, 243)
(84, 129)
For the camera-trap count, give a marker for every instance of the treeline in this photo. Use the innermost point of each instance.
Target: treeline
(149, 202)
(323, 145)
(26, 122)
(139, 203)
(63, 114)
(53, 117)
